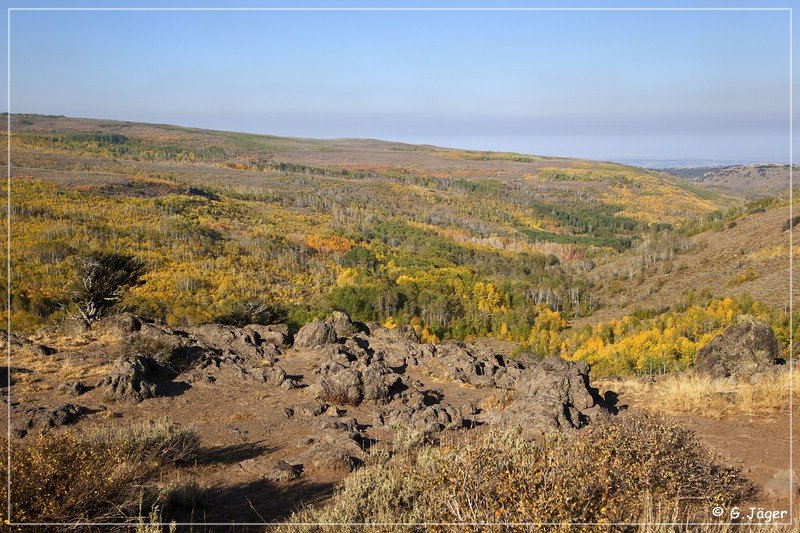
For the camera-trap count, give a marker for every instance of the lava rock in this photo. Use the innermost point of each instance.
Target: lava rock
(133, 378)
(552, 394)
(741, 352)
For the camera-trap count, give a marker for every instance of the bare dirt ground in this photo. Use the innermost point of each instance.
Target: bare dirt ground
(243, 425)
(245, 430)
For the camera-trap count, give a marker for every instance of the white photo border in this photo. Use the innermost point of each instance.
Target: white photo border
(787, 10)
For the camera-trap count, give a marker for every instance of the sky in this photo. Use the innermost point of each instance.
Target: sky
(686, 85)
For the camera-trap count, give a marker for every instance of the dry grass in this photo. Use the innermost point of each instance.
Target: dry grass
(655, 519)
(30, 368)
(72, 477)
(497, 400)
(695, 394)
(162, 442)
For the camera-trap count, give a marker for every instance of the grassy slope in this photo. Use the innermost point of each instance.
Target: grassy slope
(750, 257)
(746, 181)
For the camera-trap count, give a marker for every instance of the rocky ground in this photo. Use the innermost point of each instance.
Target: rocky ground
(283, 418)
(281, 415)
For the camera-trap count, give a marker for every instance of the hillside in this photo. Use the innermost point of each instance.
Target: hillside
(457, 243)
(353, 330)
(747, 254)
(745, 181)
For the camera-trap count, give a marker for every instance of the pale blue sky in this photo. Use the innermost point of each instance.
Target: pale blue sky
(691, 85)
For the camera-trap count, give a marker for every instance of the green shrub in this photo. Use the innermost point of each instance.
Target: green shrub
(250, 311)
(100, 280)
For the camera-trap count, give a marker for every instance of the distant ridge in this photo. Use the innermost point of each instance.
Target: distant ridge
(672, 164)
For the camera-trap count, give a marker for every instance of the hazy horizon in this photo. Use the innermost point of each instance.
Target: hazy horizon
(641, 161)
(674, 85)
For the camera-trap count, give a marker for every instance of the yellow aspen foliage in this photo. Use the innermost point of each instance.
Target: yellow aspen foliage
(427, 337)
(664, 343)
(328, 243)
(489, 299)
(503, 331)
(347, 277)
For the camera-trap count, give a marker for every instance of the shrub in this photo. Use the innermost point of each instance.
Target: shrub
(744, 277)
(62, 478)
(69, 477)
(250, 311)
(151, 347)
(100, 280)
(607, 474)
(184, 495)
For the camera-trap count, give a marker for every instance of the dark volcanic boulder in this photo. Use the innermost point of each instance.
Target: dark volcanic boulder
(335, 328)
(343, 387)
(552, 394)
(43, 418)
(402, 333)
(315, 333)
(466, 363)
(76, 388)
(742, 351)
(272, 375)
(427, 420)
(133, 378)
(65, 415)
(275, 334)
(335, 450)
(247, 345)
(342, 325)
(353, 374)
(380, 382)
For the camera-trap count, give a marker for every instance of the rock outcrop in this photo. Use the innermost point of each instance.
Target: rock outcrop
(345, 386)
(337, 327)
(354, 369)
(316, 333)
(133, 378)
(552, 394)
(741, 352)
(249, 345)
(43, 418)
(427, 420)
(456, 361)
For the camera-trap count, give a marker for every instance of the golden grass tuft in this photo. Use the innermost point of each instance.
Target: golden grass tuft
(696, 394)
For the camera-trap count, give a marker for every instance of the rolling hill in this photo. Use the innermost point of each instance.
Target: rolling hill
(296, 328)
(747, 254)
(462, 243)
(745, 181)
